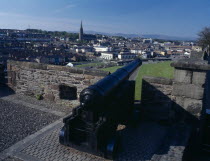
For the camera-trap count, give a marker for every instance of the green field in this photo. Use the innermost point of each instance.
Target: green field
(158, 70)
(89, 65)
(111, 69)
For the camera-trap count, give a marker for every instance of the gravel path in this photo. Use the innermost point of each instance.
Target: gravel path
(18, 121)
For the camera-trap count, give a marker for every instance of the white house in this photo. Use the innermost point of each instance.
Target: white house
(126, 55)
(108, 55)
(102, 49)
(197, 48)
(136, 51)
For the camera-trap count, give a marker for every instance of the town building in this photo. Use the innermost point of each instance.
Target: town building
(102, 49)
(108, 55)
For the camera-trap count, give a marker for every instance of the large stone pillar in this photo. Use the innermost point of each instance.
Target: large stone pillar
(190, 86)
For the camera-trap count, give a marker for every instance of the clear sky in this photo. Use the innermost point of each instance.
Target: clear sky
(168, 17)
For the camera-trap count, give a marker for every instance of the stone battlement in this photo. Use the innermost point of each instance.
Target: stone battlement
(187, 93)
(54, 83)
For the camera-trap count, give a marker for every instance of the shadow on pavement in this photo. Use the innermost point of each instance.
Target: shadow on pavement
(6, 91)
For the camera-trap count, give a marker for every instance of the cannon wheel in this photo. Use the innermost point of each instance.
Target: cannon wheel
(112, 147)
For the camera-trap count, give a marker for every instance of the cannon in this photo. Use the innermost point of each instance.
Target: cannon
(92, 126)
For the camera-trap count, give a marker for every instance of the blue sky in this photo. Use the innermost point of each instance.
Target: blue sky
(169, 17)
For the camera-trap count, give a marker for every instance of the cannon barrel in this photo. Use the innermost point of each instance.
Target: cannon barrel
(96, 93)
(92, 126)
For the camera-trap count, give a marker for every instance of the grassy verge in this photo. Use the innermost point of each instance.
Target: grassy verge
(89, 65)
(157, 70)
(111, 69)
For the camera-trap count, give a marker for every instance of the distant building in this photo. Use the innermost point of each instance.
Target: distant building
(83, 49)
(197, 48)
(147, 41)
(125, 54)
(102, 49)
(108, 55)
(83, 36)
(81, 32)
(136, 51)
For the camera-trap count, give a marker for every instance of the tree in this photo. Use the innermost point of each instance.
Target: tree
(204, 37)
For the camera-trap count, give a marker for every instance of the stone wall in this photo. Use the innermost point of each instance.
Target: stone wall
(156, 89)
(55, 83)
(188, 94)
(156, 98)
(190, 86)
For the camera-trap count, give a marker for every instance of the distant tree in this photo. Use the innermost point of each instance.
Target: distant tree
(204, 37)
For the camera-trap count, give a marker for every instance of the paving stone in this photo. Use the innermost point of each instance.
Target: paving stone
(17, 122)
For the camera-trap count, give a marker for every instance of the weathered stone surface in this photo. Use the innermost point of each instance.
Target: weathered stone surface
(49, 97)
(156, 89)
(199, 78)
(47, 80)
(191, 64)
(158, 80)
(184, 76)
(188, 90)
(192, 106)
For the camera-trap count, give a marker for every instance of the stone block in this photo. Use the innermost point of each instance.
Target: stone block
(158, 80)
(54, 87)
(199, 78)
(49, 97)
(179, 101)
(191, 64)
(67, 92)
(183, 76)
(188, 90)
(192, 106)
(86, 82)
(89, 77)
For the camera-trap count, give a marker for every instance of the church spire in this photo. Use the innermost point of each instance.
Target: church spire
(81, 26)
(81, 32)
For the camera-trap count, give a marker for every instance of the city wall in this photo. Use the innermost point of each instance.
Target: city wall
(51, 82)
(187, 94)
(162, 98)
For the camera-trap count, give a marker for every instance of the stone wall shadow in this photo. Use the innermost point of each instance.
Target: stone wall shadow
(193, 151)
(164, 125)
(5, 90)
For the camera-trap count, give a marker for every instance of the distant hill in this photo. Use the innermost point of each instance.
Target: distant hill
(153, 36)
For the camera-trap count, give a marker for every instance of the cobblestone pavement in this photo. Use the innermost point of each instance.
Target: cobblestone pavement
(18, 121)
(143, 143)
(48, 148)
(150, 141)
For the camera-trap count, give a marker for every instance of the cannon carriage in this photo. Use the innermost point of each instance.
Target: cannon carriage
(92, 126)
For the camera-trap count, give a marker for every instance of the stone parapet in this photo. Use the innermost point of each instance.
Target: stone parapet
(56, 83)
(189, 86)
(156, 98)
(41, 66)
(191, 64)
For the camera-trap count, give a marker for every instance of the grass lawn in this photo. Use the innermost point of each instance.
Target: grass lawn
(157, 70)
(89, 65)
(112, 69)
